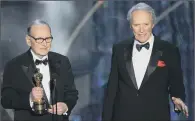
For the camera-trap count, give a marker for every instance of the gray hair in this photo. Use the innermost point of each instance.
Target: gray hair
(141, 6)
(37, 22)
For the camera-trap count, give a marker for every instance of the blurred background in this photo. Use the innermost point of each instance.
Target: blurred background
(85, 32)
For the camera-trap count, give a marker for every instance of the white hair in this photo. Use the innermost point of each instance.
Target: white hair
(141, 6)
(37, 22)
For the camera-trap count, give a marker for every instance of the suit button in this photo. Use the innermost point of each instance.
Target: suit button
(138, 93)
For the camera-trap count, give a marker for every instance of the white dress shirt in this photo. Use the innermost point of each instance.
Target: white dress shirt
(141, 59)
(44, 69)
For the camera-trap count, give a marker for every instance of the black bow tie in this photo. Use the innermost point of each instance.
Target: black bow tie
(45, 61)
(146, 45)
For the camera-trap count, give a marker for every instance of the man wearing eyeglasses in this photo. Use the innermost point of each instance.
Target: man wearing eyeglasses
(19, 90)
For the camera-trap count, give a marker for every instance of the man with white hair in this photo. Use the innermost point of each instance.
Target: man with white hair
(19, 89)
(144, 72)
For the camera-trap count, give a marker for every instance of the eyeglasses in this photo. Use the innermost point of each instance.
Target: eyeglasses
(40, 40)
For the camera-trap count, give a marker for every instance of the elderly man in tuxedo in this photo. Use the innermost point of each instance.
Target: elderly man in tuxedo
(19, 90)
(145, 71)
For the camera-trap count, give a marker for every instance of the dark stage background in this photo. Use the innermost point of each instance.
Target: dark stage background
(85, 31)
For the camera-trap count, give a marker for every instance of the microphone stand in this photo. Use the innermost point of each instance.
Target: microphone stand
(55, 91)
(52, 97)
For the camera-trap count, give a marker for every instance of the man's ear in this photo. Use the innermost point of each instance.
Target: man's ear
(28, 42)
(153, 26)
(130, 25)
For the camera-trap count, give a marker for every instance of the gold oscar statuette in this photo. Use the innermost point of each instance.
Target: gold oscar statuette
(39, 105)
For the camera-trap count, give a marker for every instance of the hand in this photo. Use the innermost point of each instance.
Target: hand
(36, 93)
(61, 108)
(180, 105)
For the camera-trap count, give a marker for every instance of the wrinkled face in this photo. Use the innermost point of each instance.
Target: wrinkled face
(142, 25)
(39, 39)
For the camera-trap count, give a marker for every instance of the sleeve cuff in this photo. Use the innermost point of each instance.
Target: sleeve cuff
(65, 113)
(30, 101)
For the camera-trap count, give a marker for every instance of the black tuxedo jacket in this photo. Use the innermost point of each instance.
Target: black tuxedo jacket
(18, 83)
(125, 102)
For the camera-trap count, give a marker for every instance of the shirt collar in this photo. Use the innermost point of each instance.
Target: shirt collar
(150, 40)
(36, 57)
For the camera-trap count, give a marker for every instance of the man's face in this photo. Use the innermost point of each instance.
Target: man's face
(35, 39)
(142, 25)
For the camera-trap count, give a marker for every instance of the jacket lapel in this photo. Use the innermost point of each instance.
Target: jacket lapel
(129, 64)
(156, 54)
(130, 69)
(28, 67)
